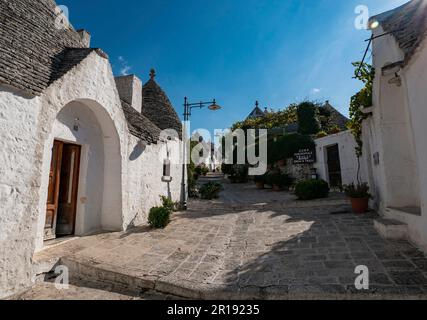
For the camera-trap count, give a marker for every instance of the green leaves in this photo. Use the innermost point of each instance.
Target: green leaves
(312, 189)
(308, 118)
(362, 99)
(159, 217)
(271, 120)
(210, 190)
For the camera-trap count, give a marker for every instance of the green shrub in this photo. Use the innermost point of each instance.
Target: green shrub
(312, 189)
(358, 191)
(279, 179)
(321, 134)
(334, 130)
(227, 169)
(260, 179)
(240, 174)
(205, 171)
(159, 217)
(210, 190)
(168, 203)
(198, 170)
(192, 180)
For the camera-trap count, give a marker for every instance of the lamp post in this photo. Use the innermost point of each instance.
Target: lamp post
(188, 107)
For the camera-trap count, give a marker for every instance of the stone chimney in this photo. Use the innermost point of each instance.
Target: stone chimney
(85, 36)
(130, 90)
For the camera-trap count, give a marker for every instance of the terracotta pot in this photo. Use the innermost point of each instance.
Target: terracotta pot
(360, 205)
(277, 188)
(260, 185)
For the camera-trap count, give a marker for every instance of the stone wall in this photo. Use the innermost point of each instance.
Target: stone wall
(144, 185)
(19, 188)
(299, 172)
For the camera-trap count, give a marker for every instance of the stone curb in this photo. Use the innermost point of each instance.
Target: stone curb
(111, 278)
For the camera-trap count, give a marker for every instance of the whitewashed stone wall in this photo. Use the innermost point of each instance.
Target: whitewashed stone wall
(396, 132)
(348, 160)
(144, 184)
(19, 188)
(28, 126)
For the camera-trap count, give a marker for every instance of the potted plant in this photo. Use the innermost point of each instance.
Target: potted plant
(279, 181)
(281, 163)
(312, 189)
(260, 181)
(359, 196)
(210, 190)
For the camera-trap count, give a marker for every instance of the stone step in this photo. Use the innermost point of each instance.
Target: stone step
(391, 229)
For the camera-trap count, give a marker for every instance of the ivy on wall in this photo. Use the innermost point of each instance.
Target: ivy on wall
(363, 99)
(286, 146)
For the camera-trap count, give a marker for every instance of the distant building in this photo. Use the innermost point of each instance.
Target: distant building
(333, 116)
(256, 112)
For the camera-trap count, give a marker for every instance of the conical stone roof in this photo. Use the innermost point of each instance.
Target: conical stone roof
(157, 107)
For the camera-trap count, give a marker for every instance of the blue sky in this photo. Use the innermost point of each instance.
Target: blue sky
(238, 51)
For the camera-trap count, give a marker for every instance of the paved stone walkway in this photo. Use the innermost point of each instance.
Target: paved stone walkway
(79, 291)
(250, 244)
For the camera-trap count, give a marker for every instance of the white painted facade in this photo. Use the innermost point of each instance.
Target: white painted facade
(394, 135)
(120, 178)
(347, 154)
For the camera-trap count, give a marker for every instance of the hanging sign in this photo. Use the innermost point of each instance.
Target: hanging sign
(305, 156)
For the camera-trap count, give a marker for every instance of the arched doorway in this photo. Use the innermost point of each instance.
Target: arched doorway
(84, 177)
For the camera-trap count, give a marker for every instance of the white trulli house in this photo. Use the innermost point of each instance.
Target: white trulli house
(80, 151)
(395, 133)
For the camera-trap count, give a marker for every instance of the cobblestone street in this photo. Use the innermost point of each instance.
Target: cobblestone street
(250, 244)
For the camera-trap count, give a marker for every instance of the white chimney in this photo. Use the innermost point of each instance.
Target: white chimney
(85, 36)
(130, 90)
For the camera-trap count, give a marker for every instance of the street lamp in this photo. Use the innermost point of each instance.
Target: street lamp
(188, 107)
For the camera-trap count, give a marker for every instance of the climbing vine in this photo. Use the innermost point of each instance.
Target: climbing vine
(363, 99)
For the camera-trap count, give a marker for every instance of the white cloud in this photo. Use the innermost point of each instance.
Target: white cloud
(315, 90)
(124, 66)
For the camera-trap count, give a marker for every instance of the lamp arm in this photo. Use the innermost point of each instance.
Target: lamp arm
(200, 104)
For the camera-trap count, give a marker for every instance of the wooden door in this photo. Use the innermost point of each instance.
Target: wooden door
(53, 191)
(334, 166)
(67, 202)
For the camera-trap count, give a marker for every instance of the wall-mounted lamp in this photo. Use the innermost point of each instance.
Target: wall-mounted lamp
(373, 24)
(76, 125)
(313, 173)
(167, 168)
(397, 80)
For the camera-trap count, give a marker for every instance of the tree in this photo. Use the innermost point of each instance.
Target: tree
(308, 120)
(278, 119)
(363, 99)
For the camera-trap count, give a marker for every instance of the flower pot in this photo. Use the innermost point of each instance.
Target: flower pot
(360, 205)
(281, 163)
(277, 188)
(260, 185)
